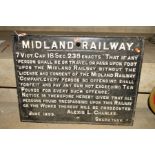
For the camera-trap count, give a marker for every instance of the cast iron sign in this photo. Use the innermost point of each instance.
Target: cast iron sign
(77, 79)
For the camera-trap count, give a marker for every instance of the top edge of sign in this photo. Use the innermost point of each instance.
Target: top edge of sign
(79, 35)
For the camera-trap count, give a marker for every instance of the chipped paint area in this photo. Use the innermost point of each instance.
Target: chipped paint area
(2, 41)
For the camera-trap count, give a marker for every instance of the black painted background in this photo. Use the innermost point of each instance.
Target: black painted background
(61, 116)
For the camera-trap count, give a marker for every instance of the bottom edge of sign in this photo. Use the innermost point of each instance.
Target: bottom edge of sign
(82, 123)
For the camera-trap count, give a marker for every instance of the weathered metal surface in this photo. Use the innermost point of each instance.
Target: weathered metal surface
(77, 79)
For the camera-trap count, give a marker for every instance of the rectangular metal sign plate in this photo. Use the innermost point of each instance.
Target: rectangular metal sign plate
(77, 79)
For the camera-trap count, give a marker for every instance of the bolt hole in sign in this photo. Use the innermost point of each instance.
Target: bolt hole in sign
(152, 101)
